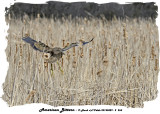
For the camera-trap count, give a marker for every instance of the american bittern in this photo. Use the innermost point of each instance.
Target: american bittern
(55, 53)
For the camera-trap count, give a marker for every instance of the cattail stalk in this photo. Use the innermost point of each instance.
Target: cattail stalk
(134, 61)
(74, 51)
(105, 61)
(74, 63)
(152, 52)
(156, 64)
(46, 65)
(125, 33)
(90, 52)
(81, 55)
(63, 43)
(105, 49)
(31, 94)
(99, 72)
(109, 45)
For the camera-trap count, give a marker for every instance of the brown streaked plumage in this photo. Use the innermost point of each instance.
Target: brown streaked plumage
(55, 53)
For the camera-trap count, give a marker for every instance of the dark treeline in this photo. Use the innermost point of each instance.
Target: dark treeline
(54, 9)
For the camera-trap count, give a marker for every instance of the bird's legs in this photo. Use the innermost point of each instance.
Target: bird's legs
(60, 68)
(51, 70)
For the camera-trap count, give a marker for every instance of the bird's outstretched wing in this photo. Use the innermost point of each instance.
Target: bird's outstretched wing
(30, 41)
(70, 46)
(76, 44)
(84, 43)
(37, 45)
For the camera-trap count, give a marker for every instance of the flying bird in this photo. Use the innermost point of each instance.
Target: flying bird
(55, 53)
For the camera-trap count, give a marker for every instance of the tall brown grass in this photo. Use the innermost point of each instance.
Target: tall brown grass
(120, 66)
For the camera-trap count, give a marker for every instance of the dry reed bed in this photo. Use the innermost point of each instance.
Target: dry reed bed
(120, 67)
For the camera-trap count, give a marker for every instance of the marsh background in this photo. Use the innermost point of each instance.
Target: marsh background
(106, 75)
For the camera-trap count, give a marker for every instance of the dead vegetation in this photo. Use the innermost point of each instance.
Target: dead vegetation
(120, 66)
